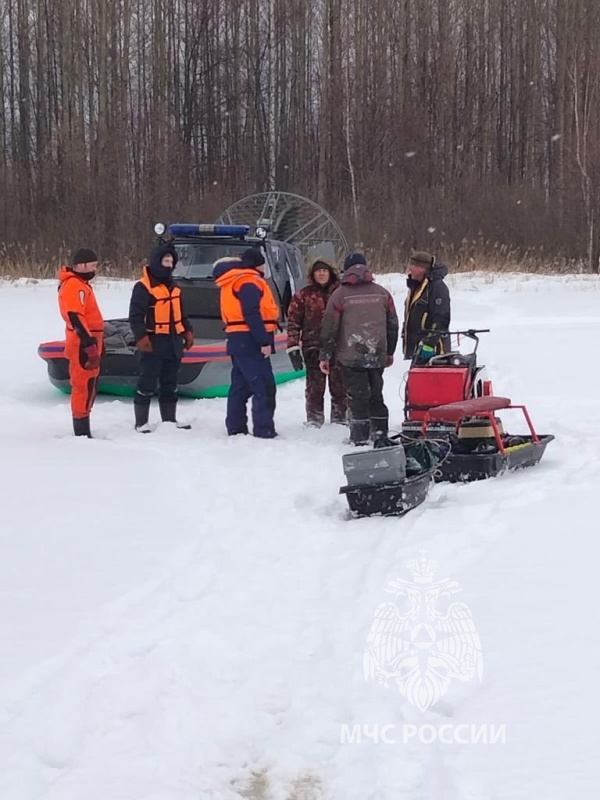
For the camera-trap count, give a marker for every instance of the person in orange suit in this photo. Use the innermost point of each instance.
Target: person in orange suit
(84, 335)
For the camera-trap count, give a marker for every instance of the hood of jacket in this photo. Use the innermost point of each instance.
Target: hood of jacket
(325, 262)
(360, 273)
(155, 269)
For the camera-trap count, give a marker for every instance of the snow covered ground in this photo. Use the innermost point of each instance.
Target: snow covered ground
(184, 616)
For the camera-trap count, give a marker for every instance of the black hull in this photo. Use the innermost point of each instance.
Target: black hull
(388, 499)
(464, 468)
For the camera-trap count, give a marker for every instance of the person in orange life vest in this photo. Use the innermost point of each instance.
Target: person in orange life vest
(251, 317)
(161, 331)
(84, 335)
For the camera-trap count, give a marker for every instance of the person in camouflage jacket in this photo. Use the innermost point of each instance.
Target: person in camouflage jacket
(305, 317)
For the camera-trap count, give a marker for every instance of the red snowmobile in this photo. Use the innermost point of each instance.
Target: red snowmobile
(450, 433)
(448, 397)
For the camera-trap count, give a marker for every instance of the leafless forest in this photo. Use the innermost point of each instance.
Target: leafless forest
(471, 127)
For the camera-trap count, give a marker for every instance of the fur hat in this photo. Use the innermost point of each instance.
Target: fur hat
(84, 256)
(421, 259)
(353, 259)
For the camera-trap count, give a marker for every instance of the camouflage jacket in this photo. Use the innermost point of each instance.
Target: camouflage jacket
(305, 314)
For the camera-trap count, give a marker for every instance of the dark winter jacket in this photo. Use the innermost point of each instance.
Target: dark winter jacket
(305, 314)
(246, 343)
(427, 308)
(360, 326)
(141, 308)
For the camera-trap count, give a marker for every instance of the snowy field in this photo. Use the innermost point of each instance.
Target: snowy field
(184, 616)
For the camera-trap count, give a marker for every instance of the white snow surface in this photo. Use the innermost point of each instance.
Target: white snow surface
(183, 616)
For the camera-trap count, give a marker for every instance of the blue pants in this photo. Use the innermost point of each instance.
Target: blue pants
(251, 377)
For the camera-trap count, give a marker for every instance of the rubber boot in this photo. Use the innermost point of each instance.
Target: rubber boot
(168, 409)
(142, 413)
(359, 432)
(81, 426)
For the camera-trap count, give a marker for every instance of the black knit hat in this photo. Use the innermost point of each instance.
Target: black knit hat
(84, 256)
(252, 257)
(353, 260)
(421, 259)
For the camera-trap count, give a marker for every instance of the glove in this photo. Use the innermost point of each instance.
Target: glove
(188, 340)
(296, 358)
(92, 356)
(426, 352)
(144, 344)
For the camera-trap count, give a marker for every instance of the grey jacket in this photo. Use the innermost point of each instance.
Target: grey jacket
(360, 326)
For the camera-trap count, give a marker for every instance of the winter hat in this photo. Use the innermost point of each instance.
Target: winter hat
(421, 259)
(84, 256)
(252, 257)
(353, 259)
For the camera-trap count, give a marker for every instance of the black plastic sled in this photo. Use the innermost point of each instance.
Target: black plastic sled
(388, 499)
(477, 466)
(391, 479)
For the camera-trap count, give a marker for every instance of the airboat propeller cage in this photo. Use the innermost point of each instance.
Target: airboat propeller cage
(290, 218)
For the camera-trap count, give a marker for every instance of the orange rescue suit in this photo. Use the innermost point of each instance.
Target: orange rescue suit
(231, 308)
(166, 307)
(84, 326)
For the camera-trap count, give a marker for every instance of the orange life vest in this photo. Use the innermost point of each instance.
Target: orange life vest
(231, 308)
(167, 306)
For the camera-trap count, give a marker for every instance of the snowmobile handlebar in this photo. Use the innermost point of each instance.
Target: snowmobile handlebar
(434, 336)
(471, 333)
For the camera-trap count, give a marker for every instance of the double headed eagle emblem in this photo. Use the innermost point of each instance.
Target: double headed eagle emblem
(426, 642)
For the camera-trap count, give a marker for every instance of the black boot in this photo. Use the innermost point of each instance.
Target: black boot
(142, 413)
(81, 426)
(359, 432)
(168, 409)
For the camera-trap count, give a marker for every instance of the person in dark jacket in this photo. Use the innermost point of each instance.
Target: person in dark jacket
(161, 331)
(251, 317)
(427, 307)
(305, 317)
(360, 328)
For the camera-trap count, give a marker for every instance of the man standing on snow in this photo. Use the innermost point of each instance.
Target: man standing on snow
(427, 307)
(84, 335)
(251, 317)
(305, 317)
(161, 331)
(360, 328)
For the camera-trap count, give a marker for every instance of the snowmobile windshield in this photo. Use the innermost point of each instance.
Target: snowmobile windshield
(196, 259)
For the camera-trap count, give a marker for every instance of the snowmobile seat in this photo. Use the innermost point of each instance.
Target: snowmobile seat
(455, 412)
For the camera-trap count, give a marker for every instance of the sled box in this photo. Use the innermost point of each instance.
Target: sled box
(374, 467)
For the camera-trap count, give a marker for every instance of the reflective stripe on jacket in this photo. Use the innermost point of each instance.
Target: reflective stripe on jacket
(76, 299)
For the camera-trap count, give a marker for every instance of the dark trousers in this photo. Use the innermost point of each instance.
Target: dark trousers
(251, 377)
(157, 371)
(316, 383)
(368, 414)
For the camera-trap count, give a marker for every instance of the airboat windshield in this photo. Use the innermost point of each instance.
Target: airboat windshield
(196, 259)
